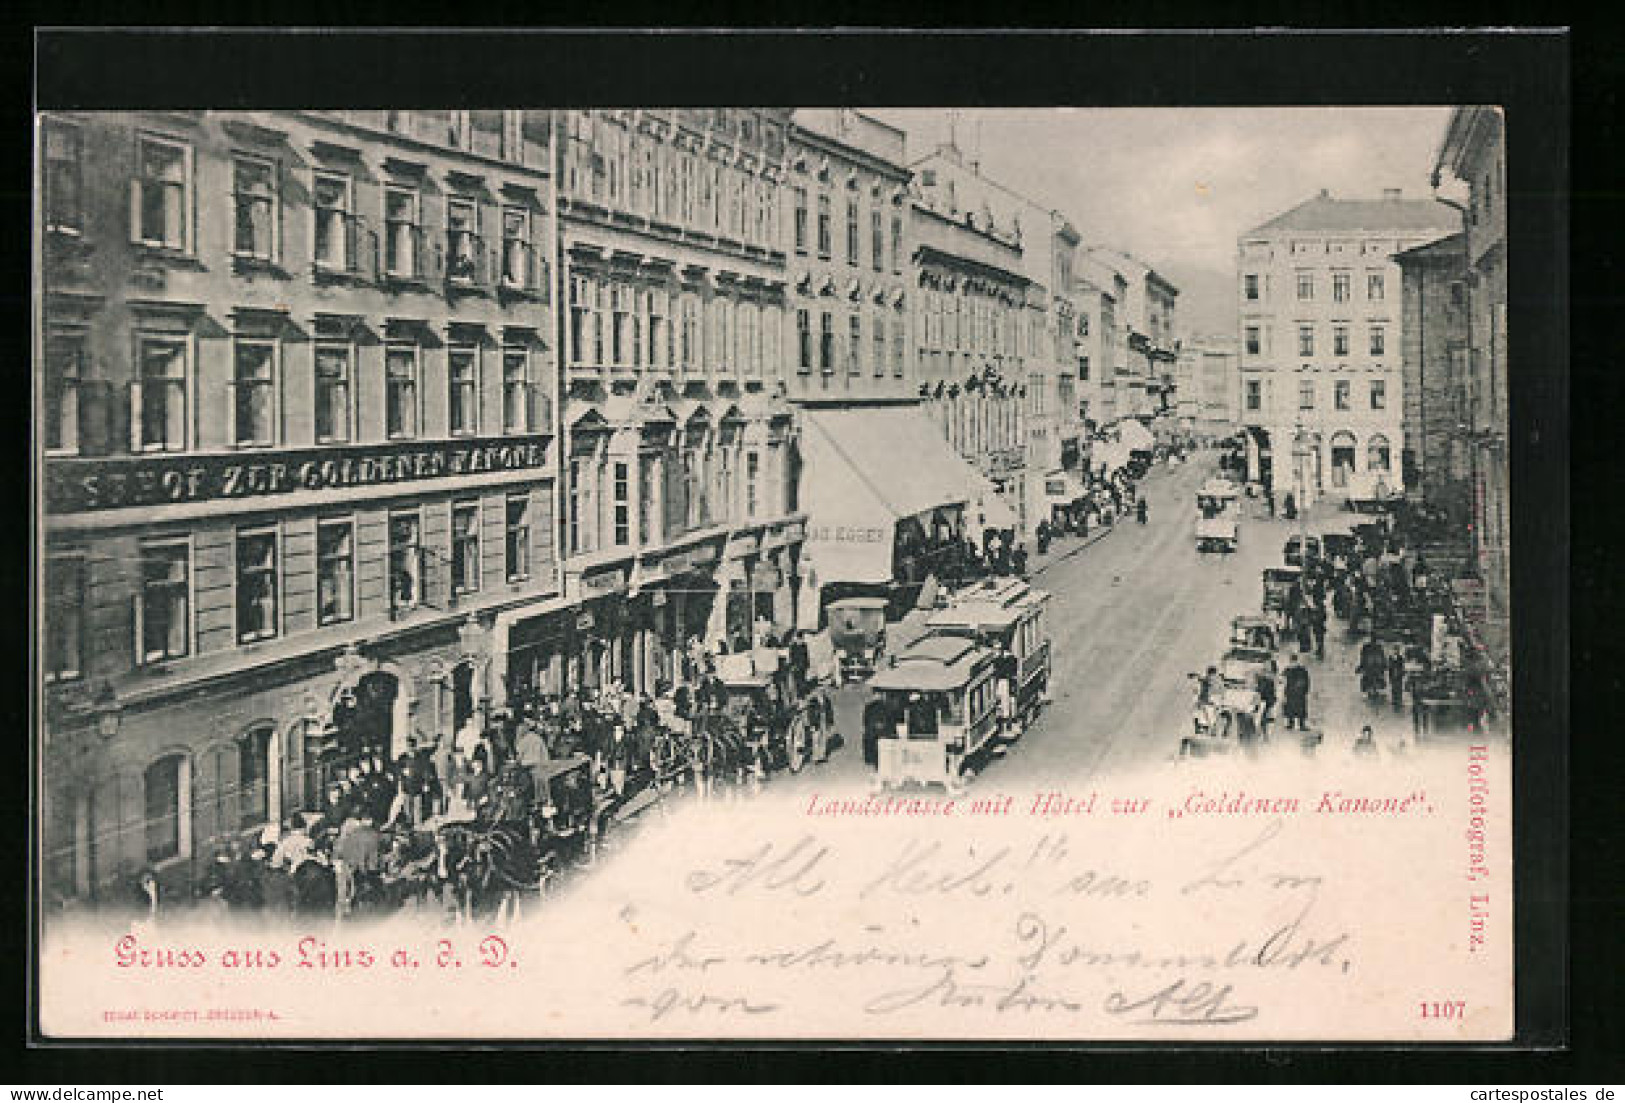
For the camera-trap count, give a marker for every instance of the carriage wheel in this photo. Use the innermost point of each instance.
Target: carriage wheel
(795, 746)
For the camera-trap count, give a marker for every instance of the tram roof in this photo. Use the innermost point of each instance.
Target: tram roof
(936, 663)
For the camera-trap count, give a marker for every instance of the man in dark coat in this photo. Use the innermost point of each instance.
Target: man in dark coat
(1317, 625)
(1295, 698)
(877, 721)
(1396, 678)
(800, 661)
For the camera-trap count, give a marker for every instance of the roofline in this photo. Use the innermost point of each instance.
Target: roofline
(818, 138)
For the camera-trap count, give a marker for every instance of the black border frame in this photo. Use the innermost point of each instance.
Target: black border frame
(1528, 73)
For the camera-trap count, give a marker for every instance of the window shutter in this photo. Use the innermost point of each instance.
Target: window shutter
(135, 416)
(135, 207)
(352, 242)
(537, 269)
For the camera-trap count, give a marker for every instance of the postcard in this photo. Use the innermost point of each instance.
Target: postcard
(774, 574)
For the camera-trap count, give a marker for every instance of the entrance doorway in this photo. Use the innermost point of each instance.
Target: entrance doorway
(462, 695)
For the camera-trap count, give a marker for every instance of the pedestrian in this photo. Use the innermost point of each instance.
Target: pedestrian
(1304, 628)
(1266, 696)
(617, 758)
(1317, 624)
(1372, 668)
(1367, 743)
(1295, 698)
(1396, 678)
(530, 750)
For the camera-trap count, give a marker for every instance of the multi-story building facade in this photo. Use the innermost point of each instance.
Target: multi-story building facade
(885, 496)
(1207, 384)
(1321, 370)
(297, 379)
(972, 329)
(1474, 152)
(679, 514)
(849, 260)
(1102, 350)
(1145, 315)
(1433, 312)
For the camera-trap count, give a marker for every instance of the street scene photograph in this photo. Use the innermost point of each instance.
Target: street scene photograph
(795, 572)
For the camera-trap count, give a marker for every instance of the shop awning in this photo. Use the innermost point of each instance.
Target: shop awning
(868, 469)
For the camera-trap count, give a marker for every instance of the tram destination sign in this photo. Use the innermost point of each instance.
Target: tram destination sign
(82, 485)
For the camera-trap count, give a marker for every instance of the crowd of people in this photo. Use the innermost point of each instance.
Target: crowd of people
(550, 766)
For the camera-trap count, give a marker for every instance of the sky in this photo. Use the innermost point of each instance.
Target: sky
(1177, 186)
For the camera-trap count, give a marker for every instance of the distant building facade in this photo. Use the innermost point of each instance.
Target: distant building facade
(1206, 386)
(1435, 324)
(1321, 338)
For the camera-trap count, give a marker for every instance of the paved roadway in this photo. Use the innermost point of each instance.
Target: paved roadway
(1133, 613)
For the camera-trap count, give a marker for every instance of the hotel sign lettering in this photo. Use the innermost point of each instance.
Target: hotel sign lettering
(76, 486)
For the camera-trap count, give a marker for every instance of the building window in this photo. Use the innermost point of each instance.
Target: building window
(401, 391)
(1378, 340)
(64, 178)
(335, 572)
(254, 394)
(851, 231)
(401, 233)
(1340, 340)
(659, 329)
(160, 406)
(803, 341)
(1255, 395)
(1083, 367)
(896, 244)
(518, 260)
(1306, 394)
(332, 393)
(163, 623)
(877, 241)
(1376, 454)
(823, 227)
(256, 585)
(162, 786)
(1374, 286)
(1306, 340)
(854, 345)
(254, 203)
(1306, 287)
(405, 561)
(335, 228)
(620, 334)
(826, 343)
(463, 246)
(1249, 285)
(1340, 394)
(801, 220)
(1253, 344)
(1340, 287)
(516, 538)
(622, 503)
(254, 776)
(462, 410)
(66, 362)
(64, 617)
(878, 367)
(465, 548)
(163, 194)
(753, 471)
(1379, 394)
(516, 390)
(898, 353)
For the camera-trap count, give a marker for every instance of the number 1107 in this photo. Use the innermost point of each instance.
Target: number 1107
(1444, 1009)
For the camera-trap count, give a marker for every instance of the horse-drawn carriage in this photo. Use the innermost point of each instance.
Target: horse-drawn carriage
(1009, 616)
(943, 707)
(1278, 585)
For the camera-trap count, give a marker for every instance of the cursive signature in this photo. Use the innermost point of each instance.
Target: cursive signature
(1183, 1004)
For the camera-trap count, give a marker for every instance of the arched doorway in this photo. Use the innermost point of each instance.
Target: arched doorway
(364, 718)
(1342, 447)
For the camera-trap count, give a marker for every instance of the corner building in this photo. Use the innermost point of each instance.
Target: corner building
(1319, 296)
(297, 390)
